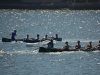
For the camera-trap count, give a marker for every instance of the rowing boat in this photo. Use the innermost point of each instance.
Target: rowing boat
(43, 49)
(31, 41)
(9, 40)
(27, 41)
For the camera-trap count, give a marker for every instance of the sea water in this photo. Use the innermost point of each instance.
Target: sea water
(71, 25)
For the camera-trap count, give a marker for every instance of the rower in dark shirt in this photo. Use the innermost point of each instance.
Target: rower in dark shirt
(97, 47)
(89, 46)
(50, 44)
(66, 47)
(27, 38)
(78, 46)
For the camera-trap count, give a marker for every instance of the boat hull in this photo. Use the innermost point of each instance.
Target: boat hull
(43, 49)
(9, 40)
(6, 40)
(31, 41)
(28, 41)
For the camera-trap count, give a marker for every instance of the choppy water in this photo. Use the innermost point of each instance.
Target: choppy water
(17, 59)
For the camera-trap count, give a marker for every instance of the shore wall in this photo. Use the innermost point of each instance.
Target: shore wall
(33, 6)
(74, 6)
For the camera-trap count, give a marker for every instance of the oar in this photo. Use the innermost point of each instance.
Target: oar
(31, 46)
(34, 46)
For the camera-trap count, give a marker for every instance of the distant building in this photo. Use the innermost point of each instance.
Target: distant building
(32, 1)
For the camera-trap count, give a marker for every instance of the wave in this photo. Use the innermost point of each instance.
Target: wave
(19, 52)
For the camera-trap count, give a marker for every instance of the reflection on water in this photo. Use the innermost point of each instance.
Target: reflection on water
(69, 24)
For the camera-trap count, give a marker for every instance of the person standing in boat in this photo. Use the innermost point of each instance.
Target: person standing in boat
(50, 44)
(27, 38)
(66, 47)
(13, 34)
(89, 46)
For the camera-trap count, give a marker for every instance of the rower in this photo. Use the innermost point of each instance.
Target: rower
(78, 46)
(55, 37)
(27, 38)
(37, 37)
(50, 44)
(89, 46)
(13, 34)
(45, 37)
(66, 47)
(98, 46)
